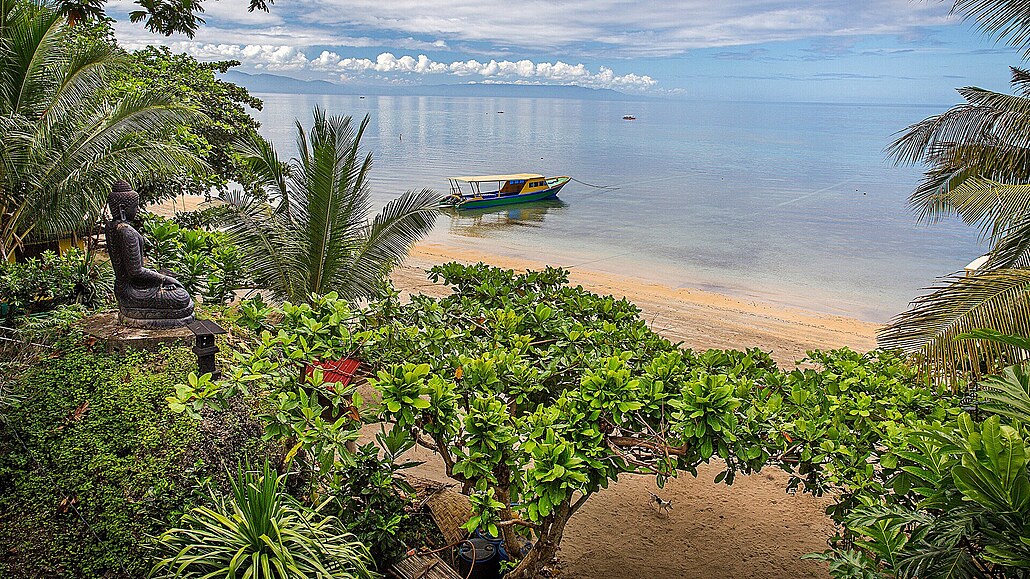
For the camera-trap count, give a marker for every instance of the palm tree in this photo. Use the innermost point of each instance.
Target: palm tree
(979, 169)
(62, 143)
(312, 234)
(978, 155)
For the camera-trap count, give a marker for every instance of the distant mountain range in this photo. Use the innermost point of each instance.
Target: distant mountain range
(283, 84)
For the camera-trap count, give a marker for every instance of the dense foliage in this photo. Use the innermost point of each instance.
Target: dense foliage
(537, 395)
(316, 421)
(262, 533)
(957, 496)
(211, 137)
(92, 462)
(62, 142)
(207, 263)
(51, 280)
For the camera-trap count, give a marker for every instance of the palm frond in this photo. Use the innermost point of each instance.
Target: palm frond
(63, 140)
(1021, 80)
(402, 223)
(337, 199)
(263, 160)
(1008, 20)
(997, 300)
(267, 241)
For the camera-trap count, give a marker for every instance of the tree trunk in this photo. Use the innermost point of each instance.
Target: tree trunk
(546, 546)
(511, 542)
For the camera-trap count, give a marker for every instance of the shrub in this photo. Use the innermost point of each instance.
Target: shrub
(92, 461)
(374, 503)
(956, 500)
(261, 532)
(51, 280)
(206, 262)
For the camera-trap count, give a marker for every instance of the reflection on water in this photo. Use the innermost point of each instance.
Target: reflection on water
(762, 199)
(482, 223)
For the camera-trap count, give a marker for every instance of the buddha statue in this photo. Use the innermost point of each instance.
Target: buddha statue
(146, 298)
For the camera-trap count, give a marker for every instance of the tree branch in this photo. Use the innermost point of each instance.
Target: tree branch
(521, 523)
(630, 442)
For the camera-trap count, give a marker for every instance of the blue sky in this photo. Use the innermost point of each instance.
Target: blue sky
(891, 51)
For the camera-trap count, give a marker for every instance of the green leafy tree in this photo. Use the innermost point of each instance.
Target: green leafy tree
(978, 158)
(308, 232)
(62, 143)
(225, 117)
(537, 395)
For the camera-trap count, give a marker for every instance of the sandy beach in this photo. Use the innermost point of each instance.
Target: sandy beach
(752, 529)
(700, 319)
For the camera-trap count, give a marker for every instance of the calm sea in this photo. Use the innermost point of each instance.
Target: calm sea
(792, 203)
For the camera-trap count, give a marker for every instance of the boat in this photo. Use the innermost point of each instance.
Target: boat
(480, 191)
(628, 118)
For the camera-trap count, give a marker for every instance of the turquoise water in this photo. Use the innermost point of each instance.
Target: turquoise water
(791, 203)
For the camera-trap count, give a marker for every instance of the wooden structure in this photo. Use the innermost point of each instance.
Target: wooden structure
(422, 566)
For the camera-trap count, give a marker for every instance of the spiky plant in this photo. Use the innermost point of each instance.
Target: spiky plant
(312, 234)
(260, 533)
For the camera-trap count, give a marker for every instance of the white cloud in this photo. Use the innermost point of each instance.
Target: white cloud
(625, 28)
(287, 58)
(499, 71)
(261, 56)
(578, 28)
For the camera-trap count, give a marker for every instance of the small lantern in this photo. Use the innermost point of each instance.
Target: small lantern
(205, 331)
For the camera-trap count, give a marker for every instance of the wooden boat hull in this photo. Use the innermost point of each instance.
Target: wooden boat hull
(482, 203)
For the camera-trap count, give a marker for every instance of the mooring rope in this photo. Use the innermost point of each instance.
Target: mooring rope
(606, 187)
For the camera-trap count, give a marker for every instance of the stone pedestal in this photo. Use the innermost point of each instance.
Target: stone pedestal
(118, 338)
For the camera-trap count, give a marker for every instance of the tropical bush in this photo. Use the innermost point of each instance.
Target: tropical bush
(536, 395)
(207, 263)
(375, 503)
(51, 280)
(93, 464)
(307, 231)
(958, 501)
(261, 532)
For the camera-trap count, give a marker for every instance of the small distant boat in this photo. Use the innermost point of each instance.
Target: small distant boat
(628, 118)
(479, 191)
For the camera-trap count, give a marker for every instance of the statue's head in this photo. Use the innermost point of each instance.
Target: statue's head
(123, 201)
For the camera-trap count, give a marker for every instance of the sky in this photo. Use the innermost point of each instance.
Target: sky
(873, 51)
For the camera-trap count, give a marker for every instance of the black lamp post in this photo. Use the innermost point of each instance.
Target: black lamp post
(205, 331)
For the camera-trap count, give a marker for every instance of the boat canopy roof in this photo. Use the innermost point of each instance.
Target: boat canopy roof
(512, 177)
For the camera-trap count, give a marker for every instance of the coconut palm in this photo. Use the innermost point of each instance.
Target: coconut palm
(62, 143)
(979, 169)
(312, 234)
(978, 157)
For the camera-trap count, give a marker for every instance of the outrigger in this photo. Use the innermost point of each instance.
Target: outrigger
(467, 192)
